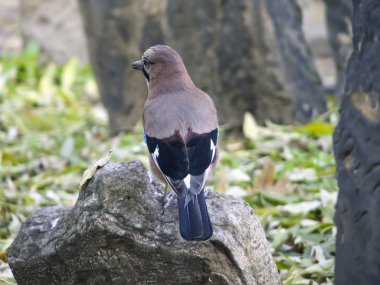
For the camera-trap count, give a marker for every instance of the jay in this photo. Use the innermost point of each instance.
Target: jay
(181, 132)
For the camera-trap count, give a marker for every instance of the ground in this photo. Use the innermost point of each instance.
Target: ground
(52, 127)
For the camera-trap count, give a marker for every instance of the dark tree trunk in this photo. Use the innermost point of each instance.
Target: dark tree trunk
(357, 153)
(248, 55)
(112, 29)
(294, 55)
(338, 18)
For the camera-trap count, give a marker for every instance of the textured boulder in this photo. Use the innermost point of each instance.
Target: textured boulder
(117, 234)
(248, 55)
(56, 26)
(357, 154)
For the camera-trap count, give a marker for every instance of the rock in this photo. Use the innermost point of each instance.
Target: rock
(250, 56)
(56, 26)
(117, 234)
(357, 154)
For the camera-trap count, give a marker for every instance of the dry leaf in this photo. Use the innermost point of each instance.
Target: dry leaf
(89, 172)
(250, 128)
(266, 178)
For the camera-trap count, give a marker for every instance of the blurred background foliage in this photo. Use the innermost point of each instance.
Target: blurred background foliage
(52, 127)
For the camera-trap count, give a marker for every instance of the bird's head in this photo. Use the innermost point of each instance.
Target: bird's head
(160, 63)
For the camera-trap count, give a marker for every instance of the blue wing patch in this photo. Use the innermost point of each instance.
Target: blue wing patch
(144, 136)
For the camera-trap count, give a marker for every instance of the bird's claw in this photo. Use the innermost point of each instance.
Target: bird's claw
(207, 191)
(166, 201)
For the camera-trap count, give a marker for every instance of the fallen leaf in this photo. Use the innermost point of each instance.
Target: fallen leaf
(237, 191)
(90, 172)
(265, 179)
(236, 175)
(301, 208)
(250, 128)
(317, 128)
(307, 174)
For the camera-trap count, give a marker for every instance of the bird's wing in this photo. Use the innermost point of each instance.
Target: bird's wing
(201, 151)
(184, 166)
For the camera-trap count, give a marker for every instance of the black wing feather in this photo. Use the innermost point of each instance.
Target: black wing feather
(177, 160)
(171, 158)
(199, 152)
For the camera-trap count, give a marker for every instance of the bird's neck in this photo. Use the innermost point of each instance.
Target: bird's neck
(170, 82)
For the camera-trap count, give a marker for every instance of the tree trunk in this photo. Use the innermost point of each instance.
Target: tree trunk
(56, 26)
(357, 153)
(338, 18)
(301, 77)
(246, 54)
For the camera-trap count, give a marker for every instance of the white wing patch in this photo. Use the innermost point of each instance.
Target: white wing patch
(213, 149)
(187, 181)
(156, 152)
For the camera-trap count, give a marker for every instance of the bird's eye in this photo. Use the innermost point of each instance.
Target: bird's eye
(146, 62)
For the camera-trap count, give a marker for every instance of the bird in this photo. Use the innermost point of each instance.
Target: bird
(181, 131)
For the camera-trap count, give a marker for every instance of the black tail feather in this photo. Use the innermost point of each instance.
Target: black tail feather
(194, 221)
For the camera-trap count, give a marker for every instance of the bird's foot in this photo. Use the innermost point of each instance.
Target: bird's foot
(166, 200)
(207, 191)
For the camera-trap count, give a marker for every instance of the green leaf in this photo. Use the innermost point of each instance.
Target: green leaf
(46, 83)
(69, 73)
(67, 147)
(316, 129)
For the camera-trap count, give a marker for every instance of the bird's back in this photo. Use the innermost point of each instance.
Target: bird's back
(187, 112)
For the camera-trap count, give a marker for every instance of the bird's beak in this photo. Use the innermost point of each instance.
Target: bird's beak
(138, 65)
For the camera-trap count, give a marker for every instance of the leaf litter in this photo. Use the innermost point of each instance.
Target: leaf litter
(52, 127)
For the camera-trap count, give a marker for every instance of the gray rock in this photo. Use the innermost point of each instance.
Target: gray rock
(248, 55)
(117, 234)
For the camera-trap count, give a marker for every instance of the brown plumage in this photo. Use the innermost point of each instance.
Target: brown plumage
(193, 111)
(181, 130)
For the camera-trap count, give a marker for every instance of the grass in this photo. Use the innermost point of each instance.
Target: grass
(52, 127)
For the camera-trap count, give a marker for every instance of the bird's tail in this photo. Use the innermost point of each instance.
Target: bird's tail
(194, 221)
